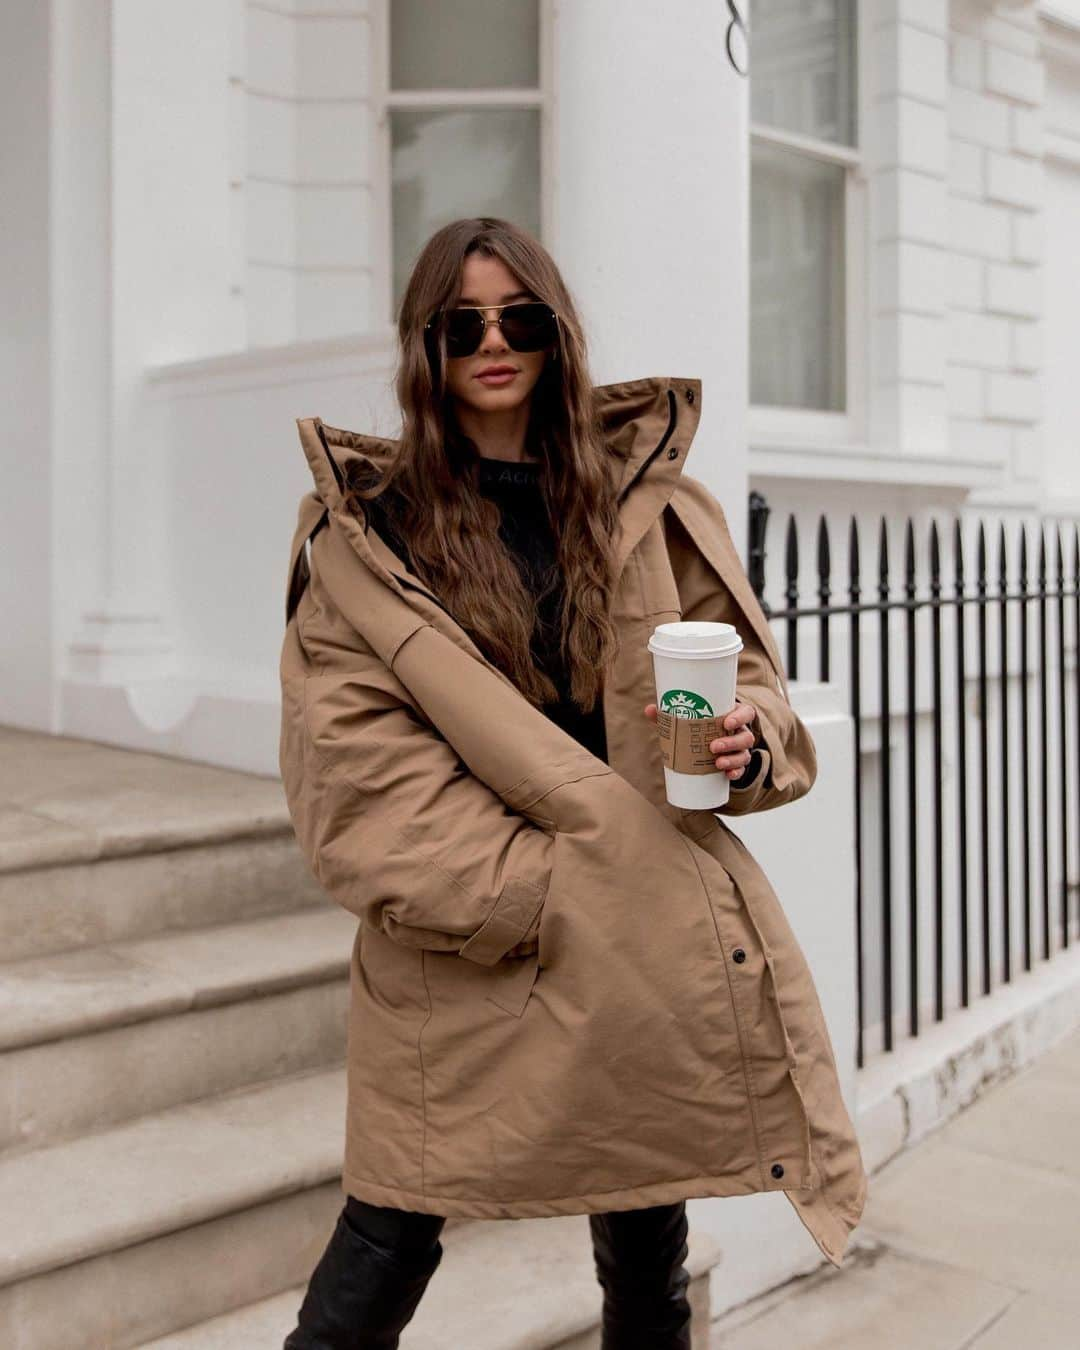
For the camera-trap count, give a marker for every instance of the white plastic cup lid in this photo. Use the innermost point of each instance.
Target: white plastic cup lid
(695, 638)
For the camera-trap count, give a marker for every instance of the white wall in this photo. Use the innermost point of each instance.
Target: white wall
(651, 208)
(303, 181)
(763, 1239)
(1062, 319)
(169, 257)
(26, 657)
(995, 211)
(175, 643)
(81, 288)
(624, 266)
(1063, 332)
(155, 212)
(1000, 322)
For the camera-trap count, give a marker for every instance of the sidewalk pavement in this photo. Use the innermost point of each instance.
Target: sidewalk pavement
(970, 1241)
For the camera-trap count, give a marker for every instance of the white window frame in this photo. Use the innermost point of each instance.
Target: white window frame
(772, 427)
(383, 99)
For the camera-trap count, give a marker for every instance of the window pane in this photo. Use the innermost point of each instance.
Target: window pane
(460, 162)
(802, 67)
(796, 280)
(464, 44)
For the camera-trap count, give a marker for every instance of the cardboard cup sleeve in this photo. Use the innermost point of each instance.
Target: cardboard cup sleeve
(684, 742)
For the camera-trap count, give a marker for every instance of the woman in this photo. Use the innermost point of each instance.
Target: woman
(567, 996)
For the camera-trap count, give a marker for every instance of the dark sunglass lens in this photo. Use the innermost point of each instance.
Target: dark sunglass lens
(529, 327)
(464, 329)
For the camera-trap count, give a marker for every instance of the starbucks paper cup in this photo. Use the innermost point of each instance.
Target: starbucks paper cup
(695, 666)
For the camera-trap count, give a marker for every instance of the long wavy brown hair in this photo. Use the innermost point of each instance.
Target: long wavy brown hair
(431, 481)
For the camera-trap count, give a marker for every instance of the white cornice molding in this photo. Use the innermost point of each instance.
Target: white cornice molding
(869, 467)
(1059, 32)
(1065, 16)
(1060, 146)
(358, 354)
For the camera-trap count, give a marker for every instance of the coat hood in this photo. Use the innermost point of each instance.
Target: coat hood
(648, 424)
(638, 418)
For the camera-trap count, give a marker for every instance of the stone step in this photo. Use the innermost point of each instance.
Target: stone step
(523, 1284)
(95, 1036)
(125, 1235)
(174, 986)
(99, 844)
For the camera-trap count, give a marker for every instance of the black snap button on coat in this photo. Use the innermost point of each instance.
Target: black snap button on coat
(673, 453)
(777, 1170)
(738, 955)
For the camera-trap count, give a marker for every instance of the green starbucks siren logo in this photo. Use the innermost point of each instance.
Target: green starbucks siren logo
(685, 703)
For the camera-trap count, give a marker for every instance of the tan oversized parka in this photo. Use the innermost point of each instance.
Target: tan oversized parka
(666, 1040)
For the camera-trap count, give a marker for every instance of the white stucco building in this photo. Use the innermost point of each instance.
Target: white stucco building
(211, 207)
(866, 249)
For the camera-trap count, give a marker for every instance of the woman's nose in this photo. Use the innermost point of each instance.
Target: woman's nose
(493, 338)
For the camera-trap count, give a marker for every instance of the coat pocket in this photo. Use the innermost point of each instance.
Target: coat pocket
(460, 990)
(512, 982)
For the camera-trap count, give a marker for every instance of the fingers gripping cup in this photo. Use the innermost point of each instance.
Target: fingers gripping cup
(695, 665)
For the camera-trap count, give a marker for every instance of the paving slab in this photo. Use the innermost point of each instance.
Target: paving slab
(880, 1299)
(1040, 1321)
(1063, 1061)
(970, 1240)
(1030, 1120)
(1005, 1220)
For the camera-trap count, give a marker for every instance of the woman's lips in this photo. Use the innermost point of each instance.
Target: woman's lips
(501, 377)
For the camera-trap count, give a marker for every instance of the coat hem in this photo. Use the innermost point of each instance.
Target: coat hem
(593, 1202)
(828, 1228)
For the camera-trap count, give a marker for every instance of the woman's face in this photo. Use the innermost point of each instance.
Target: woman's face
(488, 281)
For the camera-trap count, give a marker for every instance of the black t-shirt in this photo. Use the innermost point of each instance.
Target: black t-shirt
(524, 529)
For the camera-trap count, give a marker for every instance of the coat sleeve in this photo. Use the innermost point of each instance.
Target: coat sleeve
(392, 823)
(783, 763)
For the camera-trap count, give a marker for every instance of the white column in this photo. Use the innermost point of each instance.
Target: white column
(997, 203)
(650, 207)
(81, 222)
(1060, 117)
(164, 176)
(26, 499)
(907, 140)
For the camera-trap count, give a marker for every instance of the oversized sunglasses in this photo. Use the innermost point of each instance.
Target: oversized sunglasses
(527, 326)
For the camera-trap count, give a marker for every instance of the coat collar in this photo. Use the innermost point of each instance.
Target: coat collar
(648, 425)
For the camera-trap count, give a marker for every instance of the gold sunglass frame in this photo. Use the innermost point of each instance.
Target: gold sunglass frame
(509, 304)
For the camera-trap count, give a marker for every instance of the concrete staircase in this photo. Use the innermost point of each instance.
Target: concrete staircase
(173, 996)
(523, 1284)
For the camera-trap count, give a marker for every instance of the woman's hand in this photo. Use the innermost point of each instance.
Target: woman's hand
(733, 752)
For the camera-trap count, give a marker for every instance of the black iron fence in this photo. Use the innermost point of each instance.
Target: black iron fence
(961, 887)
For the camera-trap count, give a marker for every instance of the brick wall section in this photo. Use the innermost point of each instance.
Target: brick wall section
(907, 165)
(995, 205)
(299, 176)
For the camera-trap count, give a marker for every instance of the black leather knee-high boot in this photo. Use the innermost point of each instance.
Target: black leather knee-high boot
(369, 1280)
(639, 1263)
